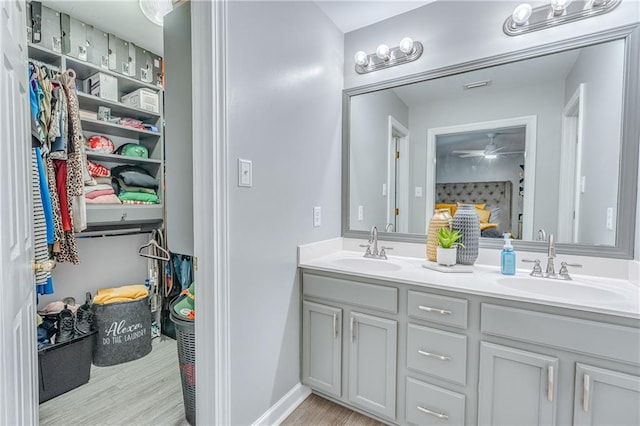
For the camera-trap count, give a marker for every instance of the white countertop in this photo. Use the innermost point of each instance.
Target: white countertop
(587, 293)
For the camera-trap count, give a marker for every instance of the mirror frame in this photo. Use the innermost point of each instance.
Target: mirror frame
(629, 149)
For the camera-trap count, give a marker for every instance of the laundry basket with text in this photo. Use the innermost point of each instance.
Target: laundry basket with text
(124, 329)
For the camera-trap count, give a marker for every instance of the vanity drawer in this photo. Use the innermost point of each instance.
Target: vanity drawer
(441, 309)
(437, 353)
(611, 341)
(351, 292)
(432, 405)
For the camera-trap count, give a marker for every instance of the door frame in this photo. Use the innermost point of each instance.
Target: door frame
(530, 124)
(402, 182)
(571, 160)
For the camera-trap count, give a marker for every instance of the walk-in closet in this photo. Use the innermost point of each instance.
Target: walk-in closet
(110, 122)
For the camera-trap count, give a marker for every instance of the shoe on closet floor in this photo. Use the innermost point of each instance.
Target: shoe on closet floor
(66, 326)
(84, 317)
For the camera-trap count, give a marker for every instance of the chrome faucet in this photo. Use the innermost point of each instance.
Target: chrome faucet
(542, 235)
(551, 254)
(389, 228)
(563, 274)
(373, 240)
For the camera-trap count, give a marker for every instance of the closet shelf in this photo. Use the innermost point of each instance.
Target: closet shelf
(91, 103)
(121, 159)
(44, 55)
(116, 129)
(126, 84)
(122, 214)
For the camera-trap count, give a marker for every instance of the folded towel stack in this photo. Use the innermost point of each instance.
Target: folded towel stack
(134, 185)
(120, 294)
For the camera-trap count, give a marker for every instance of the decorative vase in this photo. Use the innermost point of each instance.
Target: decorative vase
(446, 256)
(466, 221)
(441, 219)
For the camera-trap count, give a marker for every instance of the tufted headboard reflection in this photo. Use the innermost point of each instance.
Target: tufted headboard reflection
(494, 194)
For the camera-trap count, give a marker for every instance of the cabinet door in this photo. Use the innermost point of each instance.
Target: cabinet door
(605, 397)
(321, 347)
(516, 387)
(372, 364)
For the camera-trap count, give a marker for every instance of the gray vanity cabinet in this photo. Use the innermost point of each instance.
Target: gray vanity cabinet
(605, 397)
(516, 387)
(372, 364)
(322, 347)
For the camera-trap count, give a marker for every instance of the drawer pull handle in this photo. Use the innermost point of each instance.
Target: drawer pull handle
(335, 325)
(428, 309)
(433, 413)
(585, 394)
(436, 356)
(353, 329)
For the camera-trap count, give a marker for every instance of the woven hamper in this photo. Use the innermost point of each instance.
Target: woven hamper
(124, 331)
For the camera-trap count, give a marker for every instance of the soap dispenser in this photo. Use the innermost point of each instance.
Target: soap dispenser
(508, 257)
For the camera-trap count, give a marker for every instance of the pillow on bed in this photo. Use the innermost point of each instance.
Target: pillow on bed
(483, 215)
(451, 206)
(496, 215)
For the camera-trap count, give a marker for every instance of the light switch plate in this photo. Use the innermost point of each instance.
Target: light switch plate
(418, 191)
(245, 173)
(384, 189)
(317, 216)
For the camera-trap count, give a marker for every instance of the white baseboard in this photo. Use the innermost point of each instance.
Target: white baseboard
(285, 406)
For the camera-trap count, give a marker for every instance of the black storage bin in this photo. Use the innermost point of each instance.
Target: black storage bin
(124, 331)
(186, 337)
(64, 366)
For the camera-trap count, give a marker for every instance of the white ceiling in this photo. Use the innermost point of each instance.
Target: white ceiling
(349, 15)
(124, 18)
(507, 140)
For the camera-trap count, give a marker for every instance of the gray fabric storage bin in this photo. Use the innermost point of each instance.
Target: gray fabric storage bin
(124, 331)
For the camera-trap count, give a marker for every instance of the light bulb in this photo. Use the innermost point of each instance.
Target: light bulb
(521, 14)
(382, 52)
(361, 58)
(559, 6)
(406, 45)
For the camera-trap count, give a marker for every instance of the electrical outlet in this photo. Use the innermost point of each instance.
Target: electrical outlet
(610, 218)
(384, 189)
(317, 216)
(360, 212)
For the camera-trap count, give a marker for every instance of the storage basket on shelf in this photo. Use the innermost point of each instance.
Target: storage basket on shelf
(186, 339)
(124, 326)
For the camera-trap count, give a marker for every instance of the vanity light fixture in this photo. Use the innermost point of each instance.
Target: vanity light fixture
(525, 19)
(385, 57)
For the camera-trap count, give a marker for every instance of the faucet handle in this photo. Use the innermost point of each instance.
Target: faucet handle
(537, 268)
(573, 265)
(563, 273)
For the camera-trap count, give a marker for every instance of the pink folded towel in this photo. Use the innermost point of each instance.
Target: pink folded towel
(100, 193)
(104, 199)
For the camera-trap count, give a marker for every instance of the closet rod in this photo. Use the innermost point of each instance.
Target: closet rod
(112, 233)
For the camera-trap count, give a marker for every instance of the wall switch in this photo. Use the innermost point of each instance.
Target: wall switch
(245, 177)
(360, 212)
(583, 182)
(610, 218)
(418, 191)
(384, 189)
(317, 216)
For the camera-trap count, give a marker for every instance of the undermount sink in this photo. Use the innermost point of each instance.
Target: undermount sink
(365, 264)
(571, 290)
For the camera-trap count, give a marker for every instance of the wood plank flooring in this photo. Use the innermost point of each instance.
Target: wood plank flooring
(318, 411)
(146, 391)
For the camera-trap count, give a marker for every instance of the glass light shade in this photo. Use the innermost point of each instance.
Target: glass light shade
(559, 6)
(155, 10)
(522, 13)
(406, 45)
(361, 58)
(382, 51)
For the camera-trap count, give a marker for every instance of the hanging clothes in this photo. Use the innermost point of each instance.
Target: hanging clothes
(44, 282)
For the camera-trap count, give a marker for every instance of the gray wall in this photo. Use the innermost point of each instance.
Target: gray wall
(455, 31)
(284, 82)
(104, 262)
(369, 155)
(601, 139)
(544, 100)
(178, 132)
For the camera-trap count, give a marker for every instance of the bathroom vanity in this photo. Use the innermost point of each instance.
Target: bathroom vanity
(409, 345)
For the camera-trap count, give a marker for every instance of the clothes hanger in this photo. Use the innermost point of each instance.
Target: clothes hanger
(154, 245)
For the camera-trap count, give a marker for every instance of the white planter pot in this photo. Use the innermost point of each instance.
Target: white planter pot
(446, 256)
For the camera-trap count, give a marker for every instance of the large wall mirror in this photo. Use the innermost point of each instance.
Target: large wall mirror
(543, 142)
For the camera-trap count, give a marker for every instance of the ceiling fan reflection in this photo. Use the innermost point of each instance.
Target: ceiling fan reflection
(489, 152)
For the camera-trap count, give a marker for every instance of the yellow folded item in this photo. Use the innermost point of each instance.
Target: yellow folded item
(125, 293)
(484, 226)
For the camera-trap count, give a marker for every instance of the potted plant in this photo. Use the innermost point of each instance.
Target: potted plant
(447, 246)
